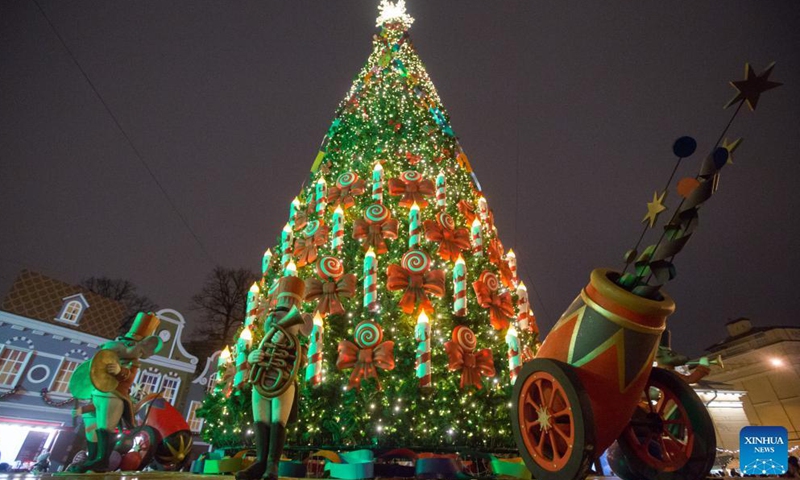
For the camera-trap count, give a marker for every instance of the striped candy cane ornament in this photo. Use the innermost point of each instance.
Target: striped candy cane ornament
(460, 288)
(314, 363)
(514, 359)
(371, 281)
(414, 228)
(441, 192)
(422, 334)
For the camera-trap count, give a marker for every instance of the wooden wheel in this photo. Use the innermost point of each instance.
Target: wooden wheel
(552, 421)
(670, 436)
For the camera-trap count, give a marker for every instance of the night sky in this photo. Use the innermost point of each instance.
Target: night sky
(567, 114)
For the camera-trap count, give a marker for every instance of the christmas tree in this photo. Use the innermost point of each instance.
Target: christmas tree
(421, 321)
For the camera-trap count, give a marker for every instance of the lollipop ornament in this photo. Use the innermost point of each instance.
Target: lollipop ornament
(592, 386)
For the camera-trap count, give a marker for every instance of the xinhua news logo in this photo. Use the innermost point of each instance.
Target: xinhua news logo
(763, 450)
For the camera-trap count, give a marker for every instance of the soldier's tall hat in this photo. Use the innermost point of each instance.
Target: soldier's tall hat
(289, 293)
(144, 325)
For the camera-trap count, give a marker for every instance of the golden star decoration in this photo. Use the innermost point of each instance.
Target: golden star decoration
(752, 86)
(731, 147)
(654, 208)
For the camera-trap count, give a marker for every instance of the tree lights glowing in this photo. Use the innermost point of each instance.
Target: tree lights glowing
(392, 134)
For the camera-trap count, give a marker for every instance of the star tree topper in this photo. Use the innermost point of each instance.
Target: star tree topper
(393, 12)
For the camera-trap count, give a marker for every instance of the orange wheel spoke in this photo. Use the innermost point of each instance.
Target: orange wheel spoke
(541, 441)
(560, 413)
(664, 449)
(561, 434)
(541, 392)
(553, 445)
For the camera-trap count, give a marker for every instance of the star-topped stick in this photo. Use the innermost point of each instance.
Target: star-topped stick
(750, 89)
(682, 148)
(656, 260)
(655, 208)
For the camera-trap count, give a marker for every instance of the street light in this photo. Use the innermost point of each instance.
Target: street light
(776, 362)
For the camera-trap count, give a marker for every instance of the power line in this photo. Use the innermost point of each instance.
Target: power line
(125, 135)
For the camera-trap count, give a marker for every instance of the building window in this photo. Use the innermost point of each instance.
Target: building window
(169, 388)
(73, 309)
(61, 382)
(12, 364)
(149, 382)
(195, 422)
(212, 382)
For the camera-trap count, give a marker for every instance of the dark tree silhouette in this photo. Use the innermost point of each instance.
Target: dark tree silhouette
(122, 291)
(222, 301)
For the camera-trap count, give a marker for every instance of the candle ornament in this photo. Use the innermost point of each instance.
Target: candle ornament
(514, 358)
(460, 288)
(414, 229)
(371, 281)
(287, 245)
(314, 360)
(320, 197)
(422, 334)
(265, 262)
(441, 190)
(511, 258)
(377, 183)
(337, 240)
(477, 239)
(523, 307)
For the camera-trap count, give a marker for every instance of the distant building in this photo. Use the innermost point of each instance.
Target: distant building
(765, 363)
(47, 328)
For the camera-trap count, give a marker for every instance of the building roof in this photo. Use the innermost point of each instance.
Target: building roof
(730, 339)
(40, 297)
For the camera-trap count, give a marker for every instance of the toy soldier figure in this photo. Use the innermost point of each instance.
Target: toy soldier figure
(273, 374)
(107, 379)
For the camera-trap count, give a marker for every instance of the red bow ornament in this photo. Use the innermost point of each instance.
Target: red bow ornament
(333, 285)
(348, 186)
(461, 355)
(451, 240)
(506, 275)
(501, 308)
(468, 210)
(413, 188)
(367, 355)
(300, 221)
(305, 248)
(375, 228)
(495, 250)
(417, 280)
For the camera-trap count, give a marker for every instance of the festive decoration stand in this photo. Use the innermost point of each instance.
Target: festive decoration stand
(592, 385)
(380, 233)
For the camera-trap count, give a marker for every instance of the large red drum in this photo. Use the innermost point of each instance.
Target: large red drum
(610, 337)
